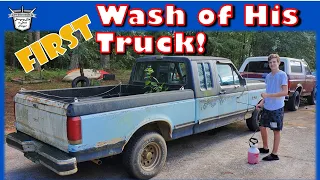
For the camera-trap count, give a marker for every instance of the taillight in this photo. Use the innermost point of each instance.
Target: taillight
(74, 130)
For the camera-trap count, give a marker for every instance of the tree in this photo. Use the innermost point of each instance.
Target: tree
(233, 45)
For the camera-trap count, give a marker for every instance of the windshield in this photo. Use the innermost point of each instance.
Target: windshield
(164, 72)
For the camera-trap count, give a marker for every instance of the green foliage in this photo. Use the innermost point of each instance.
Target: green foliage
(152, 83)
(53, 73)
(236, 46)
(95, 82)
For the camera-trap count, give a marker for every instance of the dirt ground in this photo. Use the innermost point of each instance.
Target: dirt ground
(217, 154)
(202, 156)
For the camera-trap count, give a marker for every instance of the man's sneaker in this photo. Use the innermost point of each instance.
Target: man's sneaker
(271, 157)
(263, 150)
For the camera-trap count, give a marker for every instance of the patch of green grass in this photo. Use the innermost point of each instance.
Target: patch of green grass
(12, 73)
(54, 74)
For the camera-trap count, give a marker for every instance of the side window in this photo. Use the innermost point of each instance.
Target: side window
(205, 76)
(296, 67)
(307, 69)
(227, 75)
(201, 77)
(208, 75)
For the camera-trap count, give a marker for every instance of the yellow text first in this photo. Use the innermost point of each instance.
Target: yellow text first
(51, 44)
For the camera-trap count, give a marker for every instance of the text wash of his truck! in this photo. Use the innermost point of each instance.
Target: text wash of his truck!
(62, 127)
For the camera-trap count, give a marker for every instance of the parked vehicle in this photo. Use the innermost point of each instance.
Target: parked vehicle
(62, 127)
(301, 82)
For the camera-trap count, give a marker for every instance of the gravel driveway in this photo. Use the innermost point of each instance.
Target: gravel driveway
(216, 154)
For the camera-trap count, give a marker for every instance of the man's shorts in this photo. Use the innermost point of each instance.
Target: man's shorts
(272, 119)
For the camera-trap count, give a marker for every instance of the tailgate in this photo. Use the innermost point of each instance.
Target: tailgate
(42, 119)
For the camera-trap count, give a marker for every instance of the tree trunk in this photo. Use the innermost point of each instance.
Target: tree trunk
(81, 72)
(105, 61)
(75, 58)
(13, 57)
(37, 65)
(74, 61)
(243, 48)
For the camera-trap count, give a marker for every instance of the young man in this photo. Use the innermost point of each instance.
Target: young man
(273, 106)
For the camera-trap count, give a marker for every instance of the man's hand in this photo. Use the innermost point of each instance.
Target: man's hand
(265, 95)
(259, 106)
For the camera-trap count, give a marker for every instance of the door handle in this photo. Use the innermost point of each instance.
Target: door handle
(223, 91)
(236, 86)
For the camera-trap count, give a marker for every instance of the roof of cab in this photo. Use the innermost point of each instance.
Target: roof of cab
(265, 58)
(191, 58)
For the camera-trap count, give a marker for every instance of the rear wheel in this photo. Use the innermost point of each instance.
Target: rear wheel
(145, 155)
(312, 99)
(294, 101)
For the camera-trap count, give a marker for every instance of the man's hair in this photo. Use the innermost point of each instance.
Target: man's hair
(271, 56)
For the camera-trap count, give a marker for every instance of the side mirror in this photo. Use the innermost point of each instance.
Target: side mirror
(243, 81)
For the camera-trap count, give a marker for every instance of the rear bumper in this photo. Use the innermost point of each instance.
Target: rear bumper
(38, 152)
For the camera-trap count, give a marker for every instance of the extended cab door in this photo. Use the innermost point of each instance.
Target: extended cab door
(206, 91)
(233, 97)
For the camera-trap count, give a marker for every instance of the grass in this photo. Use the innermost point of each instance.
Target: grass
(57, 74)
(12, 73)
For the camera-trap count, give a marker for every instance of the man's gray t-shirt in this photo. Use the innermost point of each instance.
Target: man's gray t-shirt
(274, 85)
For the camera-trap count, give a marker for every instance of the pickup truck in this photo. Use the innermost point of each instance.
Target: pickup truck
(60, 128)
(301, 82)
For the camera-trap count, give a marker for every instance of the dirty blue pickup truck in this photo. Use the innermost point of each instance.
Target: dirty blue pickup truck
(62, 127)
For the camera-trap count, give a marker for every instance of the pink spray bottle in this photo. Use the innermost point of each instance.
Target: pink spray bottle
(253, 152)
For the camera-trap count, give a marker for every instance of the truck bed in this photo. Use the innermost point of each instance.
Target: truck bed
(87, 93)
(107, 98)
(43, 114)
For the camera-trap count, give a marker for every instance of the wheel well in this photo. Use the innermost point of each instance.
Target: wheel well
(162, 127)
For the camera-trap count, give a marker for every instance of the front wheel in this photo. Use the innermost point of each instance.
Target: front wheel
(312, 99)
(294, 101)
(145, 155)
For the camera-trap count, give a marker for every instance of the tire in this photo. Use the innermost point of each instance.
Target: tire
(145, 155)
(109, 77)
(80, 79)
(294, 101)
(253, 122)
(312, 99)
